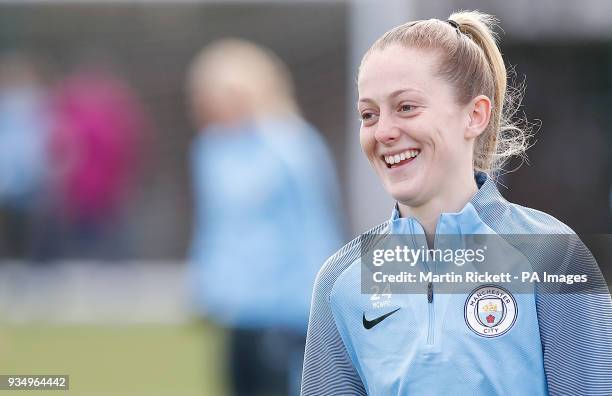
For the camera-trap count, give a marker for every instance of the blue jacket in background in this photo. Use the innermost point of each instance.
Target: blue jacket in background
(267, 216)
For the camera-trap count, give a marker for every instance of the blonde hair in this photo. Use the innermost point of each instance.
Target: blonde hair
(232, 64)
(470, 60)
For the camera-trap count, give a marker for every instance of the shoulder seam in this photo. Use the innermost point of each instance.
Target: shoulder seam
(380, 229)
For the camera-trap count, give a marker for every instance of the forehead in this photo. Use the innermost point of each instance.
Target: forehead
(398, 68)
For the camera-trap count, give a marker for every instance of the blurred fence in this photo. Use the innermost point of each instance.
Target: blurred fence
(90, 292)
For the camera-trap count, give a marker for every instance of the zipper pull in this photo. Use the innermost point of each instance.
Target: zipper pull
(430, 292)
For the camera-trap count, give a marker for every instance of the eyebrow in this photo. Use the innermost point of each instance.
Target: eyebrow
(394, 94)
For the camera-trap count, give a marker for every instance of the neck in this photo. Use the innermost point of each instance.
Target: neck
(454, 197)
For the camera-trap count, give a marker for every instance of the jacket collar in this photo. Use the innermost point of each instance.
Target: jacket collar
(465, 221)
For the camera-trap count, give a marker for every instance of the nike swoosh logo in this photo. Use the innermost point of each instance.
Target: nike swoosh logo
(368, 324)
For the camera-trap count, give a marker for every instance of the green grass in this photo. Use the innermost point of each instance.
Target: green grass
(131, 360)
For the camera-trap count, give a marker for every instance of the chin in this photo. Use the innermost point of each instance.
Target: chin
(406, 193)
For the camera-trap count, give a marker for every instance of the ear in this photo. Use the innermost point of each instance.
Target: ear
(479, 114)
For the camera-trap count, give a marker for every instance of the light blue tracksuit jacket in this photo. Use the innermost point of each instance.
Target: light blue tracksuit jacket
(558, 344)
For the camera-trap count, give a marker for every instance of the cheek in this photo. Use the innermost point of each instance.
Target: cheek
(444, 150)
(367, 141)
(439, 135)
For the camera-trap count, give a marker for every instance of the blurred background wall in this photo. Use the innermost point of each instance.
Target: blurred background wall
(150, 45)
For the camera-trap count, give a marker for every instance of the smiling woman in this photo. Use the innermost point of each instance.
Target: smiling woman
(423, 120)
(436, 127)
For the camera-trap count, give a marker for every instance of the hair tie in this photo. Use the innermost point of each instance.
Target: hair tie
(453, 23)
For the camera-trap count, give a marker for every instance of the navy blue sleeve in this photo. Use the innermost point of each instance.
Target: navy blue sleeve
(576, 331)
(328, 369)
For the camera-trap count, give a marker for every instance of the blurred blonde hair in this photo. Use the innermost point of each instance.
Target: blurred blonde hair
(470, 60)
(232, 65)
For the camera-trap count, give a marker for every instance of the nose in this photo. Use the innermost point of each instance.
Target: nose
(387, 130)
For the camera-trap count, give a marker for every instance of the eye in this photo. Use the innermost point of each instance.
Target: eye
(405, 108)
(367, 117)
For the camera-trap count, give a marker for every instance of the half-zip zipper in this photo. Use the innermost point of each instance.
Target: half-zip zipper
(430, 287)
(431, 314)
(430, 295)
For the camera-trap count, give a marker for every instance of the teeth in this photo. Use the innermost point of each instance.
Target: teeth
(394, 159)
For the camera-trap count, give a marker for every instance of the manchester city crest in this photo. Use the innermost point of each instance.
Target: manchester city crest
(490, 311)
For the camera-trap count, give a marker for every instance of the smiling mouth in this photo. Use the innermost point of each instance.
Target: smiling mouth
(396, 160)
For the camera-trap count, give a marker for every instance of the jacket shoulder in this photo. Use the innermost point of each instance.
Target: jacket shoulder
(346, 255)
(509, 218)
(538, 222)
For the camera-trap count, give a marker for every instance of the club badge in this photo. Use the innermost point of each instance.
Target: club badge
(490, 311)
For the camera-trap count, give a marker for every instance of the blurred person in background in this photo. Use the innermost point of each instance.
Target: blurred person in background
(94, 147)
(24, 129)
(267, 213)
